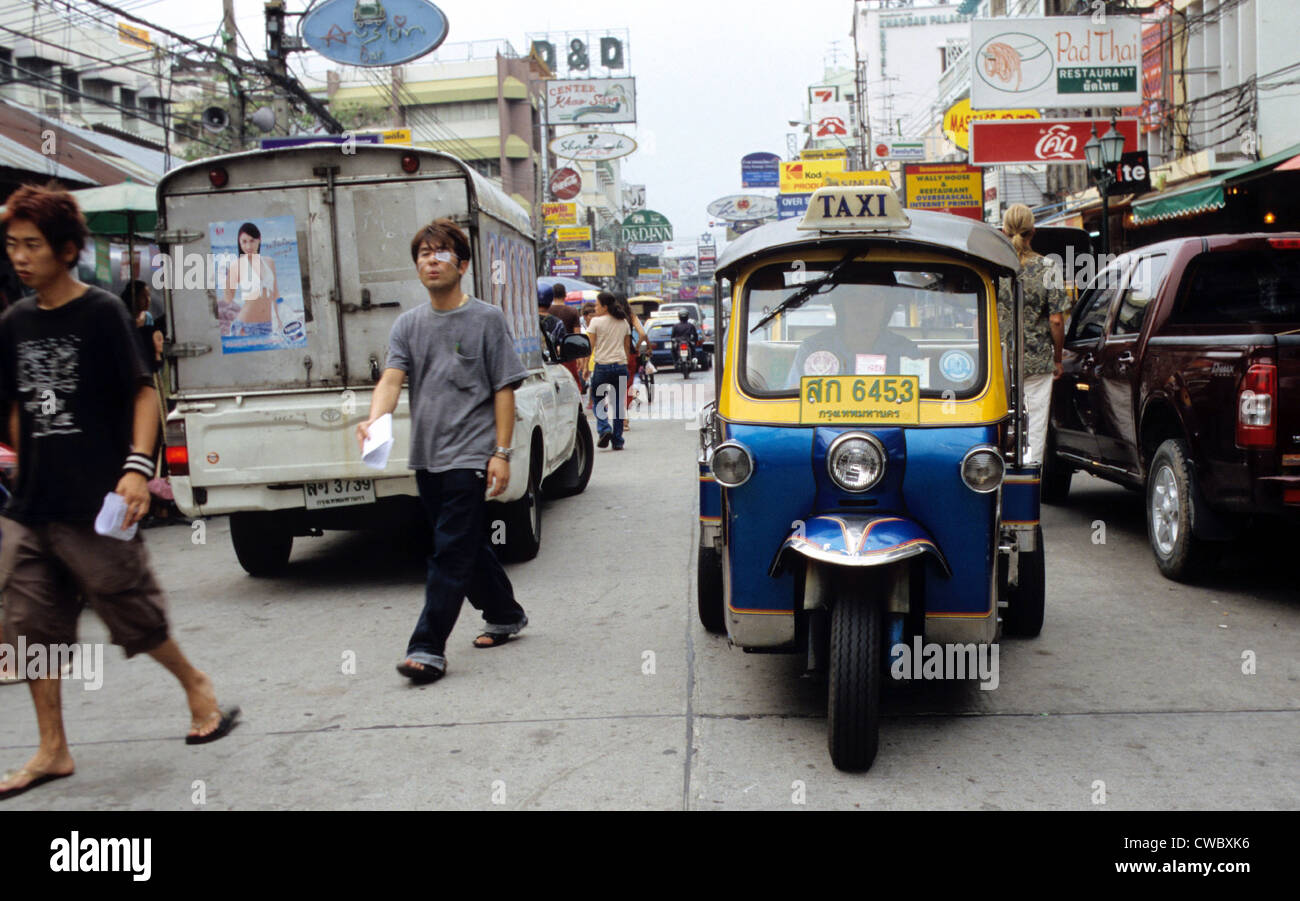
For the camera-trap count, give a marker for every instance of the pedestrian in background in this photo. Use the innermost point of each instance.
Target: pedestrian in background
(609, 330)
(81, 400)
(463, 368)
(1045, 305)
(633, 355)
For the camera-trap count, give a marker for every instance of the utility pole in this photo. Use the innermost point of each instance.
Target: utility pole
(229, 36)
(274, 10)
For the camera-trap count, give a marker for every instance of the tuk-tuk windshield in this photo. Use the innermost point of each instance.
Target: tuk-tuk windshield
(874, 319)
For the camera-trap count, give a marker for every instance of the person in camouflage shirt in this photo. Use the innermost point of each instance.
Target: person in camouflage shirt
(1045, 305)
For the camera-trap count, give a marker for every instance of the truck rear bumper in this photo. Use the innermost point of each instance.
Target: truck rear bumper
(218, 500)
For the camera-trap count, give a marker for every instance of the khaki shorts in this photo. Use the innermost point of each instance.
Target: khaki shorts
(49, 571)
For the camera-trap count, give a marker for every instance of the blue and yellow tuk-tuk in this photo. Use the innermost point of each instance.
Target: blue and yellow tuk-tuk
(861, 480)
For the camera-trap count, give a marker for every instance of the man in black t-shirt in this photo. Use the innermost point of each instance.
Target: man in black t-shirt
(81, 404)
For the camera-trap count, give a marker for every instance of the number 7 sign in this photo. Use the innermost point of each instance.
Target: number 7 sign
(826, 93)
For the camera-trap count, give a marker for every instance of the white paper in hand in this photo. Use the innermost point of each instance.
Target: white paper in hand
(111, 516)
(375, 451)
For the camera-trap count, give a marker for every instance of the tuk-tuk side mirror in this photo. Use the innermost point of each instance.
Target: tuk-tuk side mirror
(574, 347)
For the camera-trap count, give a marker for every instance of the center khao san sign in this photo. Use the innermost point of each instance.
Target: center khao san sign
(647, 226)
(374, 32)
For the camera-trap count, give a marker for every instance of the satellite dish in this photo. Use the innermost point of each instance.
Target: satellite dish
(216, 119)
(264, 118)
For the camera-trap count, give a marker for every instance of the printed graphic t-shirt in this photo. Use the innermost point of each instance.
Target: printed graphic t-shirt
(74, 372)
(456, 360)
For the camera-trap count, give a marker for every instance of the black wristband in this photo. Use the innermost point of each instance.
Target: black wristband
(137, 462)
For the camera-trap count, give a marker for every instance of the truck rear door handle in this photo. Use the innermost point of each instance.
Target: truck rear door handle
(1126, 357)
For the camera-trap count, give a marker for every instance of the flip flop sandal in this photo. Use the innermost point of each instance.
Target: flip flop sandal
(38, 781)
(228, 720)
(424, 675)
(499, 635)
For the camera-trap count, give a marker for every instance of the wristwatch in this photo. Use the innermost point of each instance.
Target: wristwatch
(503, 453)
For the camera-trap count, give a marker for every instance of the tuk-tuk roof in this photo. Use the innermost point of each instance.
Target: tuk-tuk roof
(972, 239)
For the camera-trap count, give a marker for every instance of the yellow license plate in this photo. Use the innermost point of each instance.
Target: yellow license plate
(860, 400)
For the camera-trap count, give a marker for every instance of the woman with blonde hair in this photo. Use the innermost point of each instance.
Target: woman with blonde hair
(1045, 305)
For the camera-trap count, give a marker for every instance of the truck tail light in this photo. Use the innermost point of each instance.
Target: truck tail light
(1256, 402)
(178, 454)
(1284, 243)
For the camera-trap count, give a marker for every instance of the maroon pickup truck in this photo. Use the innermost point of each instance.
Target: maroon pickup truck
(1182, 378)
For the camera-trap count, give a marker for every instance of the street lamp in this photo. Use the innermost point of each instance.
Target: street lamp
(1102, 155)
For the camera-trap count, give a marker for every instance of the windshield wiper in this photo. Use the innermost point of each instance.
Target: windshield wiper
(800, 297)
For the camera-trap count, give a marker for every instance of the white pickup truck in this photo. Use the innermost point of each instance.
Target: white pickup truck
(275, 355)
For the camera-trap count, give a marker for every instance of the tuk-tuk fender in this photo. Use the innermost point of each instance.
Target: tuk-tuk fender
(855, 540)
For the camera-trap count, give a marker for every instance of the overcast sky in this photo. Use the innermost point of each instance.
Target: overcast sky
(716, 79)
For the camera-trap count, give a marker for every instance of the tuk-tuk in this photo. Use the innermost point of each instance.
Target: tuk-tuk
(862, 494)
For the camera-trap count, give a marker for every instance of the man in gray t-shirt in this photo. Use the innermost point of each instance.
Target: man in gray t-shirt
(463, 370)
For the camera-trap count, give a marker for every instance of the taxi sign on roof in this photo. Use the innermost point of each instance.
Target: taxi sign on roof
(850, 208)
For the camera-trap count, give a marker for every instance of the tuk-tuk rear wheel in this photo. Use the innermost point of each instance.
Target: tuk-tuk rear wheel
(1023, 617)
(708, 590)
(853, 703)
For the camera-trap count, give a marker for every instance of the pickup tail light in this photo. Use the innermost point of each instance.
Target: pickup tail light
(178, 454)
(1256, 405)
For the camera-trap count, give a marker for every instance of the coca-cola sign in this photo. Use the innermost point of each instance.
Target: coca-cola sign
(1051, 141)
(566, 183)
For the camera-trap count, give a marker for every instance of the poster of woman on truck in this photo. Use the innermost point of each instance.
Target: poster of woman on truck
(259, 301)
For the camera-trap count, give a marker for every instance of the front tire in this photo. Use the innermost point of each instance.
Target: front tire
(572, 477)
(1171, 497)
(853, 705)
(262, 543)
(1056, 475)
(523, 522)
(708, 590)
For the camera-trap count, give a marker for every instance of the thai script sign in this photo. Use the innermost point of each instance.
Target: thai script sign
(1055, 141)
(374, 33)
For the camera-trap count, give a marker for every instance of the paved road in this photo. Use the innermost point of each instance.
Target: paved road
(615, 697)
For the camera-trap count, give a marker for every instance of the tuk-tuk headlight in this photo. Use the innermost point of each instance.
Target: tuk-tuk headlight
(982, 469)
(856, 461)
(732, 465)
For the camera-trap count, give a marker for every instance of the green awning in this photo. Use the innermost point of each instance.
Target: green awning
(1201, 197)
(1204, 195)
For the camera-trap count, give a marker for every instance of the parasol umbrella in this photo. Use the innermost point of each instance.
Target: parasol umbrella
(121, 209)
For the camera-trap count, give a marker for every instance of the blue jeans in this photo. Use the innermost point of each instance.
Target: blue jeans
(462, 563)
(609, 381)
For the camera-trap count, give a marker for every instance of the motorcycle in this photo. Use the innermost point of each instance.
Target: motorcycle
(685, 359)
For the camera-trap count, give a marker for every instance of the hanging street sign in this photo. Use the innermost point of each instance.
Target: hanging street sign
(647, 226)
(741, 207)
(374, 33)
(592, 145)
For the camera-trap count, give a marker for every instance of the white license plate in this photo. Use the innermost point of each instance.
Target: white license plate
(338, 493)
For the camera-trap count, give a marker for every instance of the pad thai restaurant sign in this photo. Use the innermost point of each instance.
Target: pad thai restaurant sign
(1059, 61)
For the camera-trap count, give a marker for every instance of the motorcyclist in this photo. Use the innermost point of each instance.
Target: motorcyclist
(685, 330)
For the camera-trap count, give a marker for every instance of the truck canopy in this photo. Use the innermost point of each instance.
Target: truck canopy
(332, 226)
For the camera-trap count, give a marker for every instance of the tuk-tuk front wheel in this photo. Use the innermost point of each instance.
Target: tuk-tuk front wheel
(853, 703)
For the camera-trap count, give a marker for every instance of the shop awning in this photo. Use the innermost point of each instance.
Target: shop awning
(1191, 200)
(1207, 194)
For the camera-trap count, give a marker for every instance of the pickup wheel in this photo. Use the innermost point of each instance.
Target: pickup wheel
(572, 477)
(708, 590)
(1056, 474)
(262, 544)
(523, 522)
(1171, 487)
